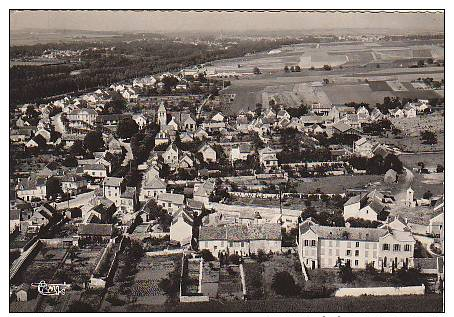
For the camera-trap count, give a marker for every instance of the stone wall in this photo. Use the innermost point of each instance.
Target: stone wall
(381, 291)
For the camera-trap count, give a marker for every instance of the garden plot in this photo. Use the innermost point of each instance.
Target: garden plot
(151, 270)
(340, 94)
(230, 287)
(210, 278)
(42, 267)
(396, 85)
(379, 85)
(253, 272)
(280, 263)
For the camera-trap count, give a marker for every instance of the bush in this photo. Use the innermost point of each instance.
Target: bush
(284, 284)
(346, 273)
(206, 255)
(234, 259)
(262, 256)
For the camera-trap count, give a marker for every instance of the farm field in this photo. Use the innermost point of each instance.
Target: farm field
(429, 159)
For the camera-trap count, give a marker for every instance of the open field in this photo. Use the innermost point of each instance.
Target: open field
(429, 159)
(337, 184)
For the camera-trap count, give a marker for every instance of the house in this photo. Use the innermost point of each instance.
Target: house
(170, 156)
(129, 200)
(362, 110)
(140, 120)
(74, 184)
(376, 115)
(152, 188)
(436, 224)
(396, 113)
(396, 223)
(410, 111)
(364, 147)
(114, 146)
(170, 201)
(186, 161)
(151, 172)
(186, 137)
(85, 115)
(95, 170)
(240, 152)
(324, 247)
(338, 112)
(44, 133)
(268, 158)
(95, 232)
(208, 153)
(36, 142)
(218, 117)
(390, 176)
(185, 121)
(203, 191)
(241, 239)
(23, 292)
(181, 226)
(161, 138)
(343, 128)
(99, 210)
(14, 220)
(320, 109)
(112, 188)
(31, 188)
(281, 114)
(213, 126)
(40, 217)
(366, 207)
(200, 133)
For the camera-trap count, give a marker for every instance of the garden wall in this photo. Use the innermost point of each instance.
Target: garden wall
(380, 291)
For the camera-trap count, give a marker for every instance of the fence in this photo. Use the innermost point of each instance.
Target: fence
(284, 195)
(381, 291)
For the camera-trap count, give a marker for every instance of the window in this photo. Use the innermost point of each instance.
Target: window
(356, 262)
(357, 244)
(231, 243)
(330, 243)
(306, 243)
(396, 247)
(407, 247)
(356, 252)
(349, 244)
(386, 247)
(313, 243)
(242, 244)
(349, 252)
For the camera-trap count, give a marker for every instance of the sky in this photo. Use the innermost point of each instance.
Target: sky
(220, 21)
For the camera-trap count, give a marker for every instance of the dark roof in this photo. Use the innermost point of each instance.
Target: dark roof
(269, 231)
(95, 229)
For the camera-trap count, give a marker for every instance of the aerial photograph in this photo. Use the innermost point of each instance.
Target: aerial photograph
(226, 161)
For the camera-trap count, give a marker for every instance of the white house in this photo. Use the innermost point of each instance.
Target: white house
(240, 152)
(208, 153)
(323, 247)
(170, 202)
(112, 188)
(181, 226)
(268, 158)
(152, 188)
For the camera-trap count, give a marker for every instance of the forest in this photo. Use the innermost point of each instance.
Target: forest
(101, 64)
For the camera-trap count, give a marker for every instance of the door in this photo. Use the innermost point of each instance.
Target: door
(313, 264)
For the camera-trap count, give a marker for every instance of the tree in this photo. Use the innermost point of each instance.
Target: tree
(284, 284)
(206, 255)
(77, 148)
(127, 128)
(93, 141)
(346, 273)
(53, 187)
(327, 67)
(429, 137)
(421, 63)
(427, 195)
(297, 68)
(256, 70)
(70, 161)
(117, 104)
(440, 168)
(286, 69)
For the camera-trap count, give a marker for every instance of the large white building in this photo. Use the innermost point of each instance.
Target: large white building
(324, 247)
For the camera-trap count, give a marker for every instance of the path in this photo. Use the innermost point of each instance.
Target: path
(77, 201)
(128, 156)
(58, 124)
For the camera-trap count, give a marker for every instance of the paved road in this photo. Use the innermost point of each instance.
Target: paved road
(129, 155)
(77, 201)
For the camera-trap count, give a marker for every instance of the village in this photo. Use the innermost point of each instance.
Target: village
(160, 191)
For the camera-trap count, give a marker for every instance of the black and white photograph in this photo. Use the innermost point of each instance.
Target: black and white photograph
(226, 160)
